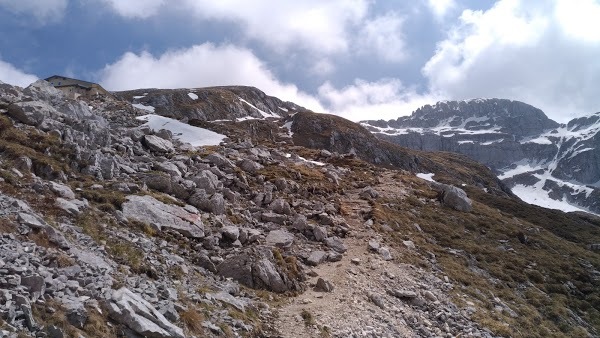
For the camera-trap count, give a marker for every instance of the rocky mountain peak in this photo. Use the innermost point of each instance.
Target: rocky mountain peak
(502, 115)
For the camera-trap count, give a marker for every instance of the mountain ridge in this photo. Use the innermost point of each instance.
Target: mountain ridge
(516, 148)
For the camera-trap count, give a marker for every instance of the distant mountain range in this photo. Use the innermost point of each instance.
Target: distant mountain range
(543, 162)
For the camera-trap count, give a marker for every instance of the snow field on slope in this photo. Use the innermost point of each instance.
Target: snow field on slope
(539, 197)
(195, 136)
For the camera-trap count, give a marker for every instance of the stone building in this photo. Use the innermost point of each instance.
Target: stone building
(76, 88)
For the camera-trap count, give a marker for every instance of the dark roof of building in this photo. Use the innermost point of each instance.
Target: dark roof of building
(83, 83)
(73, 85)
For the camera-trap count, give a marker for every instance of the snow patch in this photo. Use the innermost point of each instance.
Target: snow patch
(539, 140)
(193, 96)
(143, 107)
(492, 142)
(287, 155)
(539, 197)
(426, 177)
(311, 161)
(520, 169)
(577, 152)
(263, 113)
(288, 125)
(195, 136)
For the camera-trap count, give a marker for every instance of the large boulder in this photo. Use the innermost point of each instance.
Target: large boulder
(140, 316)
(219, 160)
(454, 197)
(280, 238)
(159, 215)
(250, 166)
(281, 206)
(208, 181)
(214, 204)
(157, 144)
(257, 268)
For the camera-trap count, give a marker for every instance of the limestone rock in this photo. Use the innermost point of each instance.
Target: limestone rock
(323, 285)
(31, 221)
(62, 190)
(231, 232)
(34, 284)
(256, 268)
(219, 160)
(316, 257)
(336, 244)
(250, 166)
(455, 198)
(158, 144)
(280, 206)
(160, 215)
(137, 314)
(402, 294)
(320, 233)
(280, 238)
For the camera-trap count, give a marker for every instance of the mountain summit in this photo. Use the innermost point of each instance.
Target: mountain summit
(544, 162)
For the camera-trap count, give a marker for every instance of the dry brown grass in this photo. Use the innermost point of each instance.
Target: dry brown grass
(192, 319)
(30, 142)
(481, 239)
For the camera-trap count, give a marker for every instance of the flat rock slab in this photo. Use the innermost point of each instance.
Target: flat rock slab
(280, 238)
(31, 221)
(136, 313)
(316, 258)
(158, 144)
(159, 215)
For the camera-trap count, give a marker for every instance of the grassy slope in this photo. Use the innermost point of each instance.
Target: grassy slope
(535, 260)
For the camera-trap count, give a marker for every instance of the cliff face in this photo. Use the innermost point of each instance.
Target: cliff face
(528, 151)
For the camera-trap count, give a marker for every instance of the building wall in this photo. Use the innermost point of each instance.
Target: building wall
(72, 87)
(97, 89)
(74, 91)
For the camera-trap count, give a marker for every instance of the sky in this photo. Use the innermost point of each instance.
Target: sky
(360, 59)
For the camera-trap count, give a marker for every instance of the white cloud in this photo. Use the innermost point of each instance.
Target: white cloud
(383, 37)
(135, 8)
(315, 28)
(384, 99)
(537, 52)
(440, 8)
(318, 26)
(579, 19)
(322, 67)
(200, 66)
(44, 11)
(11, 75)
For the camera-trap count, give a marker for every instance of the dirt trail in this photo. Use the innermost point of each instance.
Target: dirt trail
(348, 310)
